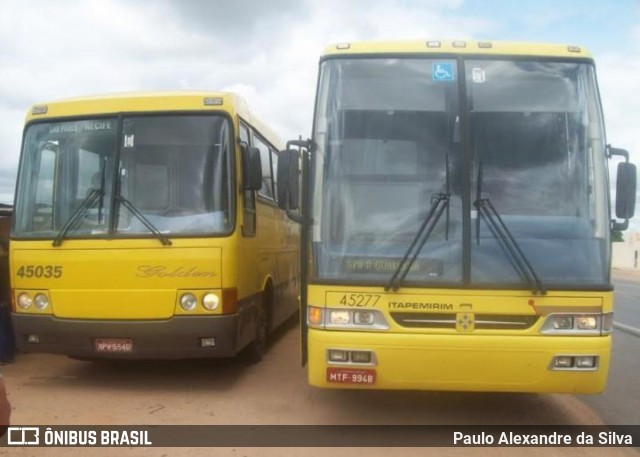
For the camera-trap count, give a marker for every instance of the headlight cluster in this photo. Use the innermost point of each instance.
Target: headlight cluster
(39, 302)
(189, 301)
(578, 324)
(346, 318)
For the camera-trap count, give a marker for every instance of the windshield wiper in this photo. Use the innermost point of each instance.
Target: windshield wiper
(87, 203)
(499, 229)
(103, 171)
(438, 204)
(152, 228)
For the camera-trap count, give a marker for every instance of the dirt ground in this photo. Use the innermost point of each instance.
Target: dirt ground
(54, 390)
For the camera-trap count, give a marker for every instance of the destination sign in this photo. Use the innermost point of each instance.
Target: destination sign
(422, 267)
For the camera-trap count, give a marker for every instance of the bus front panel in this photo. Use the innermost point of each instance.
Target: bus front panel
(364, 337)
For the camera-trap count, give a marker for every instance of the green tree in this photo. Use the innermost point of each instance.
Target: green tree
(616, 236)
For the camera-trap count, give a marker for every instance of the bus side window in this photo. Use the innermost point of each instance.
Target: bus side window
(267, 180)
(42, 218)
(248, 196)
(274, 169)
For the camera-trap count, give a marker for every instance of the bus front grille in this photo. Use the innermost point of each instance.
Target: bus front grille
(481, 321)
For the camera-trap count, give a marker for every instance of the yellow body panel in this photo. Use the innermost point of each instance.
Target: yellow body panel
(139, 102)
(452, 359)
(465, 362)
(138, 282)
(148, 102)
(442, 346)
(124, 279)
(498, 48)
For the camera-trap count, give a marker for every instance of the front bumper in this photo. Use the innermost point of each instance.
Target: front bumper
(174, 338)
(464, 362)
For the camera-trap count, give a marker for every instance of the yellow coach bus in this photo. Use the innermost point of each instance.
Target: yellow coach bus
(146, 226)
(456, 219)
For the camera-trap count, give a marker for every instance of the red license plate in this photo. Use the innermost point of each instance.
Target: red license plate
(113, 345)
(351, 376)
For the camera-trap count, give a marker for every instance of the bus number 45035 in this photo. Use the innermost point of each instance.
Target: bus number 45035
(39, 271)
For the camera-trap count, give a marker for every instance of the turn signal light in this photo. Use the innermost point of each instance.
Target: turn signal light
(314, 315)
(229, 301)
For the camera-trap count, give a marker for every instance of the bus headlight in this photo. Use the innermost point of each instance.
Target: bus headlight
(562, 323)
(188, 302)
(363, 317)
(339, 316)
(587, 323)
(577, 324)
(348, 319)
(41, 302)
(210, 301)
(24, 301)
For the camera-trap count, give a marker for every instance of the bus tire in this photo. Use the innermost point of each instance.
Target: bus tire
(255, 350)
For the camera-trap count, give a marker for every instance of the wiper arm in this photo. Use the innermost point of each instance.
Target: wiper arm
(87, 203)
(499, 229)
(152, 228)
(103, 170)
(438, 205)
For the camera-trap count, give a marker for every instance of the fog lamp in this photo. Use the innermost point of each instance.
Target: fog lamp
(361, 356)
(563, 361)
(585, 361)
(336, 355)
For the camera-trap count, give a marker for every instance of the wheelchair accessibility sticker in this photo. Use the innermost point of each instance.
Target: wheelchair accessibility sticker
(443, 71)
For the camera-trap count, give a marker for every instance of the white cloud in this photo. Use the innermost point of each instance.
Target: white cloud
(619, 81)
(53, 50)
(288, 68)
(266, 51)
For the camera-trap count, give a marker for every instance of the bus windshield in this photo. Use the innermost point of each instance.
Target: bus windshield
(392, 135)
(174, 170)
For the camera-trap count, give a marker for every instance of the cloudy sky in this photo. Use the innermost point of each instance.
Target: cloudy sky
(267, 50)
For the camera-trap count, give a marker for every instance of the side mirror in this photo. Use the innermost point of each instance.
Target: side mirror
(625, 189)
(288, 179)
(251, 168)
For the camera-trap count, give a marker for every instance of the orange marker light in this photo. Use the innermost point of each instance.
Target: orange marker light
(315, 315)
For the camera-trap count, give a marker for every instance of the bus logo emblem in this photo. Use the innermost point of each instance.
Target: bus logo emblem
(23, 436)
(465, 322)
